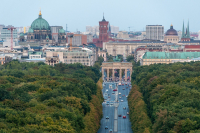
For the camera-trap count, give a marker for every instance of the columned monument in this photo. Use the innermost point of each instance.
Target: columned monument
(114, 66)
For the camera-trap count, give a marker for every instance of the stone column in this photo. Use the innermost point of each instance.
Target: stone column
(126, 74)
(102, 70)
(130, 73)
(120, 74)
(113, 74)
(107, 74)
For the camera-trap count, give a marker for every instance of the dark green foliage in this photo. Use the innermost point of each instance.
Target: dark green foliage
(171, 92)
(4, 94)
(37, 98)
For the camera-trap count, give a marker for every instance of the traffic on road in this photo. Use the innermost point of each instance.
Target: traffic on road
(115, 107)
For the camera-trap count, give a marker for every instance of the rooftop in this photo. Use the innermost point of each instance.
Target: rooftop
(192, 46)
(171, 55)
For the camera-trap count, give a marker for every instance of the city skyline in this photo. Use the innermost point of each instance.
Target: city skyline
(124, 14)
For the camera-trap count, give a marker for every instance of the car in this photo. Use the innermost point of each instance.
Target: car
(107, 117)
(111, 103)
(127, 113)
(119, 115)
(106, 127)
(124, 116)
(115, 90)
(122, 84)
(107, 103)
(126, 83)
(126, 96)
(110, 131)
(122, 100)
(124, 107)
(106, 89)
(120, 97)
(123, 88)
(119, 93)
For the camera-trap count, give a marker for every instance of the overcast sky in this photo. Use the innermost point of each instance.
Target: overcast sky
(77, 14)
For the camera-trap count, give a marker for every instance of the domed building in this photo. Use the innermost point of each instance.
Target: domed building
(171, 36)
(40, 31)
(21, 37)
(61, 36)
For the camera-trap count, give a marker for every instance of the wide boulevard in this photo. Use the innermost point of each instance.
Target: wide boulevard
(115, 108)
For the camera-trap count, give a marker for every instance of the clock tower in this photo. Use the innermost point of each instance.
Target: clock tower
(103, 31)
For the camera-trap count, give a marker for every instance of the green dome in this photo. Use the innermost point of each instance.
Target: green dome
(21, 34)
(61, 31)
(40, 24)
(30, 30)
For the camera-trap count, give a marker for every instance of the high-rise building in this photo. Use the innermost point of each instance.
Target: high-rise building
(92, 30)
(155, 32)
(114, 29)
(55, 31)
(1, 27)
(77, 40)
(6, 34)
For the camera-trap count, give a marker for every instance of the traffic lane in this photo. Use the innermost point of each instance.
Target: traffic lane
(107, 109)
(110, 122)
(103, 123)
(124, 125)
(122, 122)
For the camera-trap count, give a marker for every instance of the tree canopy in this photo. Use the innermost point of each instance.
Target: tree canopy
(171, 93)
(38, 98)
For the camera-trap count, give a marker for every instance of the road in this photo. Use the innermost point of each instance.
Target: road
(113, 106)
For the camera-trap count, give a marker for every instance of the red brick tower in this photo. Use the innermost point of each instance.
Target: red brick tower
(103, 31)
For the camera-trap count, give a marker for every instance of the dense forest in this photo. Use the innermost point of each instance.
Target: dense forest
(37, 98)
(171, 94)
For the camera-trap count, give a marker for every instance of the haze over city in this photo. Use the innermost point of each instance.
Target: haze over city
(122, 13)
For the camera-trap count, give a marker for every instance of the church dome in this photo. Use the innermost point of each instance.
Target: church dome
(21, 34)
(30, 30)
(61, 31)
(40, 23)
(171, 32)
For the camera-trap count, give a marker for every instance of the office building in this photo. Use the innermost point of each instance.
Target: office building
(77, 40)
(155, 32)
(6, 34)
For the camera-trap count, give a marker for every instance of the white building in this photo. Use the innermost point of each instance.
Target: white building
(84, 56)
(123, 35)
(93, 30)
(114, 29)
(6, 34)
(155, 32)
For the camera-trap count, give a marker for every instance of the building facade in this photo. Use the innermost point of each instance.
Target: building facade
(78, 39)
(171, 36)
(126, 48)
(84, 56)
(155, 32)
(167, 57)
(6, 34)
(40, 31)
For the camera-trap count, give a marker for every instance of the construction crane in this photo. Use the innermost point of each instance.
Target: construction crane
(11, 29)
